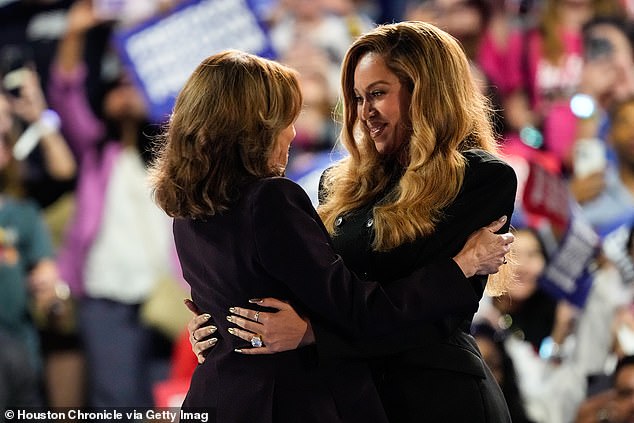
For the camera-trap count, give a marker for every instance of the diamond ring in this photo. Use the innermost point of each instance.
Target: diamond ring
(256, 341)
(257, 316)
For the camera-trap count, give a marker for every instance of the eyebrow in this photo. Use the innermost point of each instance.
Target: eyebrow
(372, 85)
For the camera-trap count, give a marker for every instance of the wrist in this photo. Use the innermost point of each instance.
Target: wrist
(551, 350)
(309, 335)
(468, 269)
(48, 123)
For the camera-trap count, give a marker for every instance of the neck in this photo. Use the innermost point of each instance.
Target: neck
(129, 133)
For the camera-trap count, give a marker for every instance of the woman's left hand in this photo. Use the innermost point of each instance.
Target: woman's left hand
(283, 330)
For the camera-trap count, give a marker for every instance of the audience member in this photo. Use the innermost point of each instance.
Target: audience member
(544, 70)
(119, 244)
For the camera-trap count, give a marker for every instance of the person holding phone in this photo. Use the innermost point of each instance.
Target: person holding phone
(600, 149)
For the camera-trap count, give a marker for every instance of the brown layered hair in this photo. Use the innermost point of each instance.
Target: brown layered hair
(222, 132)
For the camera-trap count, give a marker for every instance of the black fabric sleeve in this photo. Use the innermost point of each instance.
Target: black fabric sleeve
(488, 193)
(294, 247)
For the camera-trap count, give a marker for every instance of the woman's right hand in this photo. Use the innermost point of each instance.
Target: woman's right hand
(485, 251)
(199, 331)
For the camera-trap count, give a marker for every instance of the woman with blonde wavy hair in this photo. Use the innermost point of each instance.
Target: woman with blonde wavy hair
(421, 176)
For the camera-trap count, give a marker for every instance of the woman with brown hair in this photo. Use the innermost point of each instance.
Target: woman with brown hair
(421, 176)
(242, 232)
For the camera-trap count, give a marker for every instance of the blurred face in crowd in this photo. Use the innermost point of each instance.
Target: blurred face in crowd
(622, 133)
(530, 264)
(125, 102)
(621, 58)
(312, 123)
(460, 18)
(623, 405)
(382, 103)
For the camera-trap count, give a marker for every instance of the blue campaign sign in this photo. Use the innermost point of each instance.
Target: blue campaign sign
(615, 247)
(163, 52)
(567, 274)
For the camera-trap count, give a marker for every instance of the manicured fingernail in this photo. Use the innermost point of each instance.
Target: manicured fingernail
(232, 331)
(232, 309)
(502, 219)
(206, 316)
(238, 350)
(212, 329)
(229, 318)
(213, 341)
(255, 300)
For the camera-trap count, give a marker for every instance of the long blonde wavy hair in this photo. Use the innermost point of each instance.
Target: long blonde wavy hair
(448, 115)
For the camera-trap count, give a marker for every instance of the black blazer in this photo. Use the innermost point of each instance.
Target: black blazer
(434, 369)
(272, 243)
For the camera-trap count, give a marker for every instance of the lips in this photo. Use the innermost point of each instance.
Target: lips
(376, 129)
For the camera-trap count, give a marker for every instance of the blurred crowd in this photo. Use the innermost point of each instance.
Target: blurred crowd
(83, 248)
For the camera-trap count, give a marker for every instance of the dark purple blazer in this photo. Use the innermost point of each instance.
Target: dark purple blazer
(271, 243)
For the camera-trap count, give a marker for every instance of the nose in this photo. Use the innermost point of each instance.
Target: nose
(367, 109)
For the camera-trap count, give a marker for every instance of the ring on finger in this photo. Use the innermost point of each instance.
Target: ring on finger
(256, 341)
(257, 316)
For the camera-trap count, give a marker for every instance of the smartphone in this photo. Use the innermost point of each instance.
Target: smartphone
(589, 157)
(598, 48)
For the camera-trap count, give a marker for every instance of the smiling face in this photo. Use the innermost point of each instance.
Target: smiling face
(382, 103)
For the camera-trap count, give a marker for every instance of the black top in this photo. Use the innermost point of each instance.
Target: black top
(404, 359)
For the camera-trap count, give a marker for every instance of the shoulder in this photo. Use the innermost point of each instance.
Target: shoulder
(483, 161)
(487, 170)
(276, 190)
